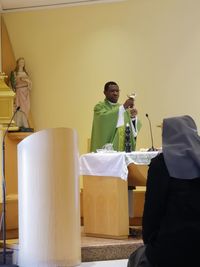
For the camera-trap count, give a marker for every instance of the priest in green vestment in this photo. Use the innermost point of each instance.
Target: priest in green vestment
(110, 120)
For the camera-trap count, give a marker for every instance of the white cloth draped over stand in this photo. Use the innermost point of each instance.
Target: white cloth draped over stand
(113, 163)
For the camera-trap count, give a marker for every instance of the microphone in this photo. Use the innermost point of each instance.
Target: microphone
(152, 146)
(4, 191)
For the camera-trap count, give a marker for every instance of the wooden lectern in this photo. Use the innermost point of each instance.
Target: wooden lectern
(105, 207)
(108, 205)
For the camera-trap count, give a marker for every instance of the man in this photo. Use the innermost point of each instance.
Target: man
(110, 120)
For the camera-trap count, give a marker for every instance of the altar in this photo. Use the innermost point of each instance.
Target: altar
(105, 190)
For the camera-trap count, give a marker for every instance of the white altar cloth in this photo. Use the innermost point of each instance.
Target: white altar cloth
(113, 163)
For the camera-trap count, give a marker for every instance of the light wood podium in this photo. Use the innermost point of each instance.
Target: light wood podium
(106, 208)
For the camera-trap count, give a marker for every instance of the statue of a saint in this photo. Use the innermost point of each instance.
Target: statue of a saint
(21, 85)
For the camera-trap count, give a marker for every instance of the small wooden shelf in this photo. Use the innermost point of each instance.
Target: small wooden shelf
(18, 135)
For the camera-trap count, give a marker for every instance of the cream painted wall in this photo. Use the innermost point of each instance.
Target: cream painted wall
(152, 47)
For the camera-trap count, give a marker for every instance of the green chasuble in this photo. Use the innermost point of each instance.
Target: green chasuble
(104, 127)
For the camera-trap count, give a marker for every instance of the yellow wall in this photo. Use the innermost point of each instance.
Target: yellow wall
(152, 47)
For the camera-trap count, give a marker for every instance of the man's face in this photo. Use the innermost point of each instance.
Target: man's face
(112, 94)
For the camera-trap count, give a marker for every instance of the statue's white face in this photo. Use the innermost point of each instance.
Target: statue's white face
(21, 63)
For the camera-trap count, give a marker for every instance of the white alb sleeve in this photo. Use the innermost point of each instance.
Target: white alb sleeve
(120, 121)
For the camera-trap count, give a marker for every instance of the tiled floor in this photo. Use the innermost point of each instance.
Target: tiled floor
(96, 252)
(104, 249)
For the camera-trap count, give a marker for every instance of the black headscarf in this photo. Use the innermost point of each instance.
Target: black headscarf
(181, 147)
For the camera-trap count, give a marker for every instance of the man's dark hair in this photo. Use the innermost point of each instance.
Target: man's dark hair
(106, 86)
